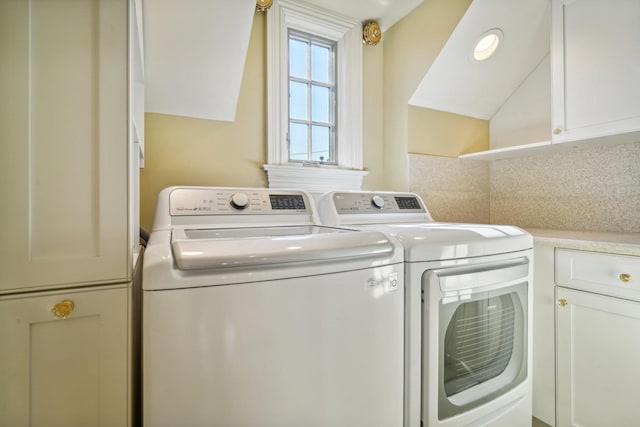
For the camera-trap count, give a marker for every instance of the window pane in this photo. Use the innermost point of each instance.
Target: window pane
(320, 143)
(311, 98)
(297, 58)
(320, 63)
(298, 141)
(320, 104)
(298, 101)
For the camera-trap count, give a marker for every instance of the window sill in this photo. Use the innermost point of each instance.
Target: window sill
(314, 179)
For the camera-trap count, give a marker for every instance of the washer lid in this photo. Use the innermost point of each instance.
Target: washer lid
(440, 241)
(195, 248)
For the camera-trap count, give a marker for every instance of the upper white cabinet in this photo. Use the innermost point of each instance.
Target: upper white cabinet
(587, 92)
(595, 48)
(64, 156)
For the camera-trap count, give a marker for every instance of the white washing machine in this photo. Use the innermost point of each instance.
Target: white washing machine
(253, 315)
(468, 310)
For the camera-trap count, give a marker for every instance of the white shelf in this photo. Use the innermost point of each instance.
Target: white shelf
(509, 152)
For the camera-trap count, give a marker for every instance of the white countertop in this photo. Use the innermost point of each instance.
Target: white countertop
(620, 243)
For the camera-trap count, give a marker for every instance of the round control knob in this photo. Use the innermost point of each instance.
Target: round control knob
(239, 200)
(377, 201)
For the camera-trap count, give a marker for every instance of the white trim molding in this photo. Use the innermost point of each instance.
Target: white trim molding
(314, 179)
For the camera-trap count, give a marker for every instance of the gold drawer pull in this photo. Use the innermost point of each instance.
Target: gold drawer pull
(63, 309)
(563, 302)
(625, 277)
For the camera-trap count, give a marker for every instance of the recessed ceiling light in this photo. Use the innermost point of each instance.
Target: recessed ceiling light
(487, 44)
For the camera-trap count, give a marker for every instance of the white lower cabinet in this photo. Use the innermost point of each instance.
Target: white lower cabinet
(586, 339)
(598, 350)
(597, 319)
(69, 369)
(544, 358)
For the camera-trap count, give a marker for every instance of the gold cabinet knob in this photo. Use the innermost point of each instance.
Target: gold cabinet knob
(63, 309)
(557, 131)
(625, 277)
(563, 302)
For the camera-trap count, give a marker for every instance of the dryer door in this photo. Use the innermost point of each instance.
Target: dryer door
(481, 336)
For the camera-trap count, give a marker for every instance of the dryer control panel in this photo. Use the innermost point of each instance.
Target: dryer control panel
(371, 203)
(369, 207)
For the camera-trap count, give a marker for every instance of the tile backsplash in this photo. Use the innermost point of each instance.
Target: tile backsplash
(453, 190)
(586, 189)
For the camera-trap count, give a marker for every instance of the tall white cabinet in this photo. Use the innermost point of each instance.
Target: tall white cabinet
(68, 235)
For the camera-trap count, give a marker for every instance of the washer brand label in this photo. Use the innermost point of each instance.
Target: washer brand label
(389, 283)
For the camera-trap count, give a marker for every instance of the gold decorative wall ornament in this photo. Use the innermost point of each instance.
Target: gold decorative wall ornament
(371, 33)
(263, 5)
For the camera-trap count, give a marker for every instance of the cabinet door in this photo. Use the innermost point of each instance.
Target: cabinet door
(64, 372)
(595, 69)
(598, 345)
(64, 150)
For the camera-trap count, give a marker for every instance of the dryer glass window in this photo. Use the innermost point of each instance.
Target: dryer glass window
(478, 342)
(483, 347)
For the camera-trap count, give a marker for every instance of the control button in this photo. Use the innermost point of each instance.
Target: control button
(377, 201)
(393, 281)
(239, 200)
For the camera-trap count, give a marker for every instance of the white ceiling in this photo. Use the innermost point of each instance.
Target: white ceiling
(386, 12)
(458, 84)
(195, 52)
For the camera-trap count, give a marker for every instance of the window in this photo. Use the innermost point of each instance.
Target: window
(314, 76)
(312, 89)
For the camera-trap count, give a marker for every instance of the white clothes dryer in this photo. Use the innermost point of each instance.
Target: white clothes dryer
(468, 310)
(254, 315)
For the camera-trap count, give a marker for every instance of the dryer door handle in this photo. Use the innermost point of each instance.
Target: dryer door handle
(452, 279)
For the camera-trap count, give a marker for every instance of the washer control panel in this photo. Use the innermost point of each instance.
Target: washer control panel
(237, 201)
(375, 202)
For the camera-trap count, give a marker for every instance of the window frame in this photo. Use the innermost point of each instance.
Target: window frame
(347, 33)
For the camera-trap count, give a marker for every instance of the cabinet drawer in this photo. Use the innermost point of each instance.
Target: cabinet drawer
(608, 274)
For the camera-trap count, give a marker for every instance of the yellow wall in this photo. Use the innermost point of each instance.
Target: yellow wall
(410, 47)
(186, 151)
(439, 133)
(372, 134)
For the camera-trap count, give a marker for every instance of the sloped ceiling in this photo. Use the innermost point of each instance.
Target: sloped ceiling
(194, 56)
(458, 84)
(195, 50)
